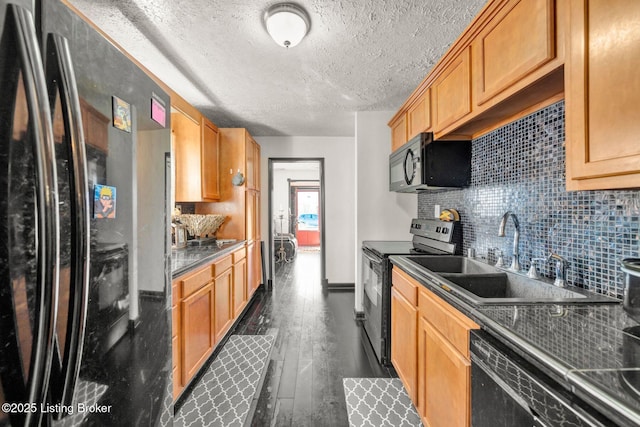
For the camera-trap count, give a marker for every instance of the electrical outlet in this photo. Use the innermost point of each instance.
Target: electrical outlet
(436, 211)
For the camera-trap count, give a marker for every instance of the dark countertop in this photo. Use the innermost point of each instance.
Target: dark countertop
(588, 348)
(186, 259)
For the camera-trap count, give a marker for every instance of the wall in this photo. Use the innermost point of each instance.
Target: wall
(380, 214)
(520, 167)
(339, 155)
(152, 224)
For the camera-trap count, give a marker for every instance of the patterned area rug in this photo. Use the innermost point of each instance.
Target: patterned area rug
(378, 402)
(86, 392)
(225, 392)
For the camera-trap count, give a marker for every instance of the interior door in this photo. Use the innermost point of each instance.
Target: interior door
(307, 203)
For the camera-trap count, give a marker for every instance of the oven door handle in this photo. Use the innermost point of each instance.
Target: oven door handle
(371, 258)
(61, 67)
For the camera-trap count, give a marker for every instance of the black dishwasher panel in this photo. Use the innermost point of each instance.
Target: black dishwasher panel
(507, 391)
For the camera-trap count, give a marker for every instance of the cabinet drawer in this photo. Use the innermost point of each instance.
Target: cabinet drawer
(222, 265)
(448, 321)
(195, 281)
(239, 254)
(403, 284)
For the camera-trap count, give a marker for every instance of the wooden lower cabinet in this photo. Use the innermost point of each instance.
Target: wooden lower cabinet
(223, 308)
(430, 352)
(254, 267)
(205, 304)
(197, 329)
(444, 380)
(404, 317)
(239, 286)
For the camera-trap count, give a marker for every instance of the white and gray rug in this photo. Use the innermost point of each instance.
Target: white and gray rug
(224, 394)
(88, 393)
(379, 402)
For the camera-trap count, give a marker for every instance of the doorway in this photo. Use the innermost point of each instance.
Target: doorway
(296, 214)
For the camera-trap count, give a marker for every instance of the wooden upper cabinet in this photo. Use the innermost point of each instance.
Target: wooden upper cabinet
(452, 91)
(252, 163)
(186, 149)
(419, 115)
(399, 132)
(195, 147)
(256, 165)
(95, 126)
(210, 156)
(602, 89)
(507, 63)
(519, 40)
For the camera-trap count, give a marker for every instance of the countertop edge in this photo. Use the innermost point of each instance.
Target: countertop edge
(521, 346)
(207, 260)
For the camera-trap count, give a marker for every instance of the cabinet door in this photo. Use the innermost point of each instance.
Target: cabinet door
(250, 218)
(399, 133)
(187, 157)
(452, 91)
(239, 286)
(223, 307)
(404, 319)
(210, 146)
(446, 381)
(257, 266)
(519, 40)
(250, 162)
(254, 268)
(197, 312)
(602, 90)
(419, 115)
(256, 165)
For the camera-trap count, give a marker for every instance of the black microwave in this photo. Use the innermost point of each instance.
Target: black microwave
(422, 164)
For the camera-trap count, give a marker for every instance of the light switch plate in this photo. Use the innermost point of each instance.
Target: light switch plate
(436, 211)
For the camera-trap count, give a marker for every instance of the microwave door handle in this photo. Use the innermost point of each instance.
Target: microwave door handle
(409, 179)
(48, 260)
(80, 237)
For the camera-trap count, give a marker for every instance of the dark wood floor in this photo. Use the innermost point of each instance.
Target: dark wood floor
(318, 344)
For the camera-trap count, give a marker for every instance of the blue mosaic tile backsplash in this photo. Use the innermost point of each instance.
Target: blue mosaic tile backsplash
(520, 167)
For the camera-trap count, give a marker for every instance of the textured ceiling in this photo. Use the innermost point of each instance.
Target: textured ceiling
(365, 55)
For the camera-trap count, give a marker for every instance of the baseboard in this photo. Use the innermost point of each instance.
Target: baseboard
(158, 295)
(341, 286)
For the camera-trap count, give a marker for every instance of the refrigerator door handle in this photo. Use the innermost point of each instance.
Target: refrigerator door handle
(59, 54)
(48, 256)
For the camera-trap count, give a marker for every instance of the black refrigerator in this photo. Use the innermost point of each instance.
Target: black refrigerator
(84, 227)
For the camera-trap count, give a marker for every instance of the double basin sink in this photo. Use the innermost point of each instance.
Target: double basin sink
(481, 283)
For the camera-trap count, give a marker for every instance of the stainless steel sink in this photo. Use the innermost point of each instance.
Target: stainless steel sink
(452, 264)
(480, 283)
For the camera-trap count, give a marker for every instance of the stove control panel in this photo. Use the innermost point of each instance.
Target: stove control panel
(433, 229)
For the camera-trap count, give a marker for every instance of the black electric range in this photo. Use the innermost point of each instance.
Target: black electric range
(430, 237)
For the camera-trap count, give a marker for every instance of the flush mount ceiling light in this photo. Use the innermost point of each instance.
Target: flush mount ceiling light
(287, 23)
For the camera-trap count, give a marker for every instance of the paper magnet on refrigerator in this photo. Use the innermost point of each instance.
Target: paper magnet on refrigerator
(104, 201)
(121, 114)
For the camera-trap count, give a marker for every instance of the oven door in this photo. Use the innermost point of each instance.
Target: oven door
(373, 281)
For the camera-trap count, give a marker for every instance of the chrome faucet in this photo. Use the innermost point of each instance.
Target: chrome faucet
(561, 270)
(515, 262)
